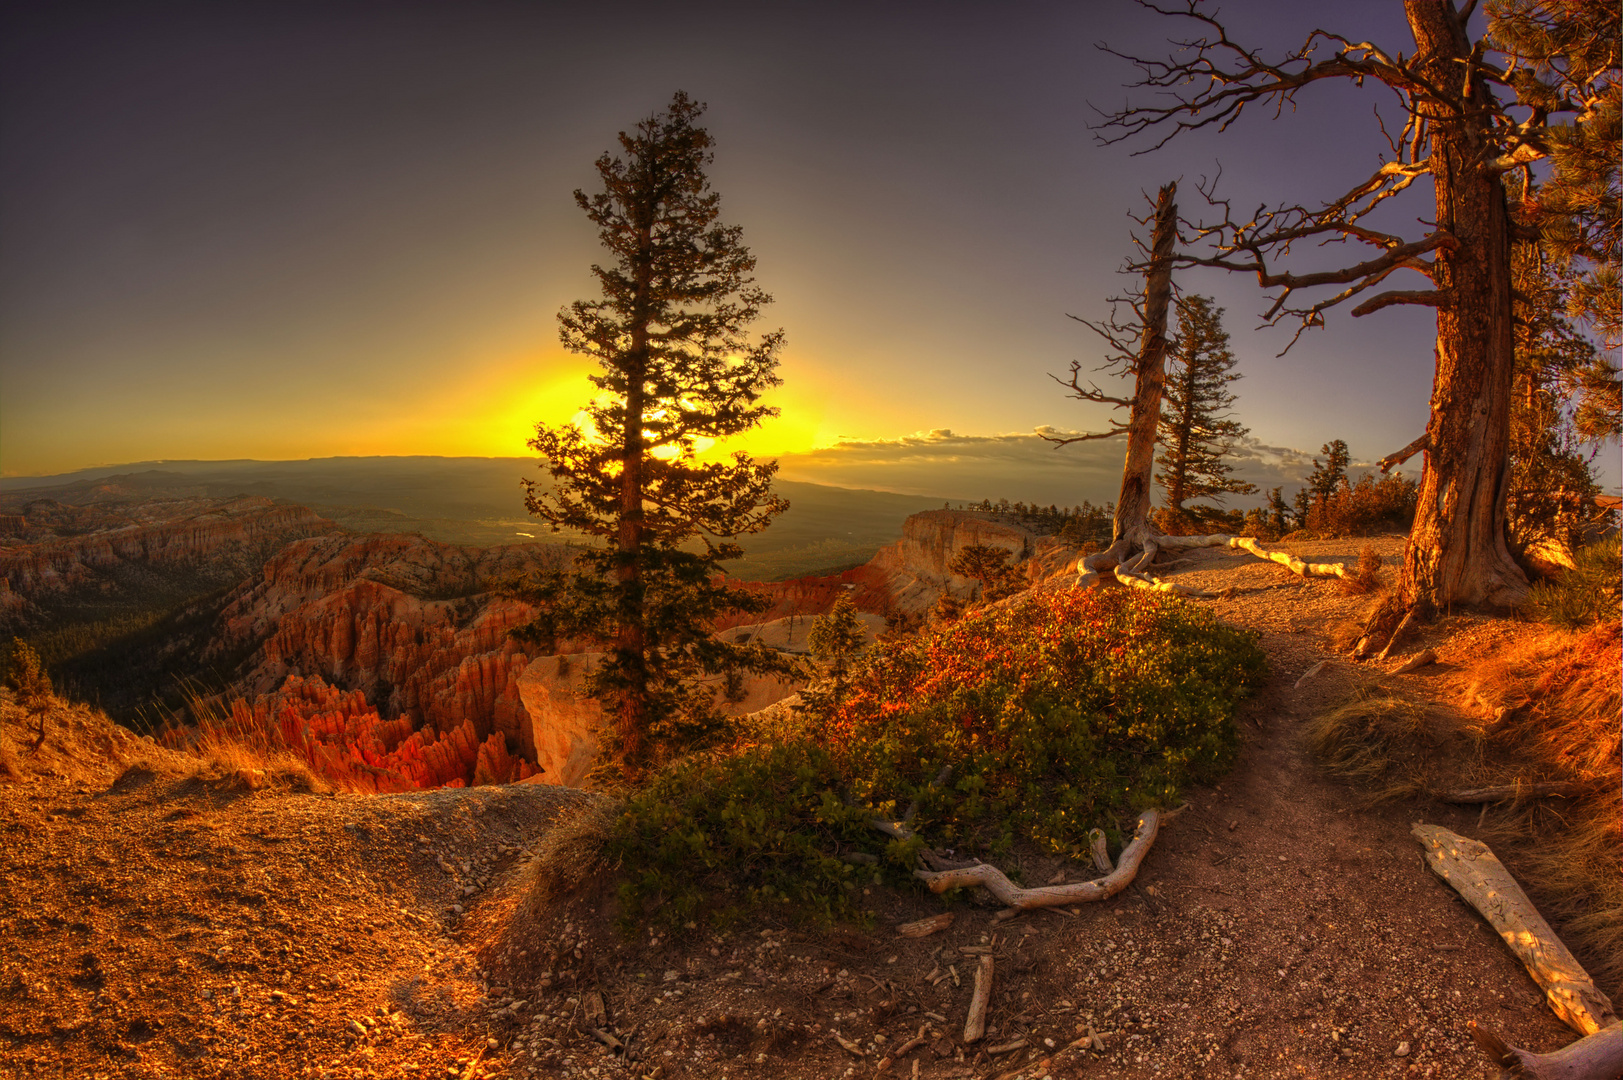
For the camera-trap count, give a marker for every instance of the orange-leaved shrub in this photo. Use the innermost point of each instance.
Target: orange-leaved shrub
(1057, 713)
(1368, 506)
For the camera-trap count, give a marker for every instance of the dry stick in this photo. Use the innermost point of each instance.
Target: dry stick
(926, 927)
(975, 1022)
(1393, 640)
(1101, 855)
(1482, 880)
(1560, 789)
(1011, 895)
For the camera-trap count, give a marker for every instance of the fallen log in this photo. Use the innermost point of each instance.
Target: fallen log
(1593, 1057)
(1482, 880)
(1013, 896)
(975, 1022)
(1555, 789)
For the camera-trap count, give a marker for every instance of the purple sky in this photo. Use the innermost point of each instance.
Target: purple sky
(293, 230)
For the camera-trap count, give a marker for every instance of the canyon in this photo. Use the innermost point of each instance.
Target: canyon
(386, 661)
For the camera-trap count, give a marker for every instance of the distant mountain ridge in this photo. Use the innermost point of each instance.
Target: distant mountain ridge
(479, 501)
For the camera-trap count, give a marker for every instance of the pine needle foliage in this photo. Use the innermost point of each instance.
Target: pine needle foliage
(677, 370)
(1195, 432)
(1562, 56)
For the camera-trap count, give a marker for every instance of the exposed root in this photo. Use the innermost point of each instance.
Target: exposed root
(1129, 557)
(1013, 896)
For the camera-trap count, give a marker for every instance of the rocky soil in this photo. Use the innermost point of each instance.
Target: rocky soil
(164, 916)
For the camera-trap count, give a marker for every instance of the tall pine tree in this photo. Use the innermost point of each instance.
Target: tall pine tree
(677, 369)
(1195, 432)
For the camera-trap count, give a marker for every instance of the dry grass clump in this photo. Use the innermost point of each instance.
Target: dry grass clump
(1378, 740)
(1552, 705)
(235, 765)
(572, 852)
(1367, 578)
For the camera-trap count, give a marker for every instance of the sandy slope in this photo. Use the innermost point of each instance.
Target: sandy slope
(166, 926)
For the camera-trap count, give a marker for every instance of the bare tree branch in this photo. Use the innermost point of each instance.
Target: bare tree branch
(1426, 297)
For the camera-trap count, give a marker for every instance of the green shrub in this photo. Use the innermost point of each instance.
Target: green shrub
(1585, 594)
(1058, 714)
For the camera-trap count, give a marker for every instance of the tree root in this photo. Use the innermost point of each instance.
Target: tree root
(1013, 896)
(1129, 557)
(1593, 1057)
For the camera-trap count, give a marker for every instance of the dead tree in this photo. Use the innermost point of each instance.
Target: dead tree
(1460, 129)
(1138, 349)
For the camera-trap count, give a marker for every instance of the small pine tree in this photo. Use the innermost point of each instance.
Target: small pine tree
(836, 639)
(28, 680)
(1195, 435)
(989, 566)
(677, 366)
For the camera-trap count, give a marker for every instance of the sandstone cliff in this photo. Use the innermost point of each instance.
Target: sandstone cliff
(408, 623)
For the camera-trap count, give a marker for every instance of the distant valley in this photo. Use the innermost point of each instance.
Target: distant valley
(475, 501)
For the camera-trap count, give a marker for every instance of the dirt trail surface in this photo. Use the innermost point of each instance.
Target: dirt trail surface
(162, 924)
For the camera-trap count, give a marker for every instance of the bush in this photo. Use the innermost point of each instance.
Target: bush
(1366, 507)
(1584, 595)
(1064, 712)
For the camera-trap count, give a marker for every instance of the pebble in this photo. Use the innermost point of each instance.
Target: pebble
(1402, 1050)
(356, 1028)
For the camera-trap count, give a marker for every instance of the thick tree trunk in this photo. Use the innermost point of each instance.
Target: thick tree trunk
(1133, 505)
(1457, 551)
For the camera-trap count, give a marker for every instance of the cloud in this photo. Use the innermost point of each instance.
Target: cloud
(1021, 467)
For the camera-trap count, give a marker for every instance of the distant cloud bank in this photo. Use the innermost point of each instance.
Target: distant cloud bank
(1022, 467)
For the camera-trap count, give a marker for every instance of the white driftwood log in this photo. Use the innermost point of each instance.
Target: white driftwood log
(1012, 895)
(975, 1022)
(1593, 1057)
(1482, 880)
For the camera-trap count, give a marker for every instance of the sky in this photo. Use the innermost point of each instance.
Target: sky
(313, 229)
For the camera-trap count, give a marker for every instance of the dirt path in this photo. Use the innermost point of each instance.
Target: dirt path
(1281, 927)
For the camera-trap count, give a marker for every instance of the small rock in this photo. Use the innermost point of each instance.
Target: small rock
(1402, 1050)
(356, 1028)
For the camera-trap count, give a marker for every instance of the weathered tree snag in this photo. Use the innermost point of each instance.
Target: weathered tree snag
(1479, 877)
(1593, 1057)
(1013, 896)
(1457, 552)
(975, 1022)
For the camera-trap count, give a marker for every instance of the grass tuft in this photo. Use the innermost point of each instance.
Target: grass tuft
(572, 853)
(1367, 578)
(1591, 592)
(1375, 740)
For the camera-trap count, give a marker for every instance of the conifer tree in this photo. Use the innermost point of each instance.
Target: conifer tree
(677, 368)
(835, 639)
(1330, 474)
(1195, 433)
